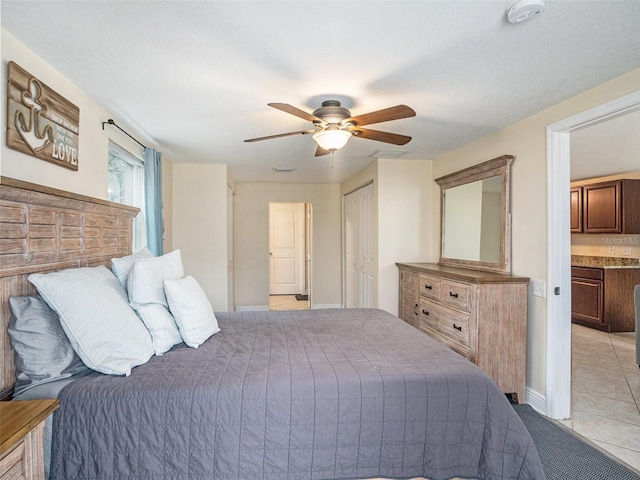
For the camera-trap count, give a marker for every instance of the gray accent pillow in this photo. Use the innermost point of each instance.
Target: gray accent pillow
(43, 352)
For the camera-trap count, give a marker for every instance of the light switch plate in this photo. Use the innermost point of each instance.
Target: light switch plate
(538, 287)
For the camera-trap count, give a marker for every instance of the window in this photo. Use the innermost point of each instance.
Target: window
(126, 185)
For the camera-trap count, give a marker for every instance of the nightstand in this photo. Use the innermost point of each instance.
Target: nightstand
(22, 437)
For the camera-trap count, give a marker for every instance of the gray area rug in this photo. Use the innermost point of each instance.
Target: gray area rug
(564, 456)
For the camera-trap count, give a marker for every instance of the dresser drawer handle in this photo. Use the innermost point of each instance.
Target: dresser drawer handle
(428, 287)
(415, 309)
(454, 295)
(459, 328)
(425, 312)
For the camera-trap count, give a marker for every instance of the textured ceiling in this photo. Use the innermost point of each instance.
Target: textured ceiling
(608, 148)
(195, 77)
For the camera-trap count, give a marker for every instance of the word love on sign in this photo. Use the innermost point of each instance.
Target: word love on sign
(40, 122)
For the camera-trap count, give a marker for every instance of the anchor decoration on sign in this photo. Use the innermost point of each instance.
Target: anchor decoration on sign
(40, 122)
(29, 128)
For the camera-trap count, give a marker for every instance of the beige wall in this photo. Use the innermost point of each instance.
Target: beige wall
(251, 212)
(167, 205)
(200, 226)
(91, 178)
(526, 140)
(404, 222)
(402, 219)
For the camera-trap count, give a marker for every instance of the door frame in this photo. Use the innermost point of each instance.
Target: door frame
(308, 211)
(558, 359)
(231, 276)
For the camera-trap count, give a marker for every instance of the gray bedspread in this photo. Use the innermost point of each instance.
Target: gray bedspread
(316, 394)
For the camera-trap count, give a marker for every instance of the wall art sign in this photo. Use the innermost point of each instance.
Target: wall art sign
(40, 122)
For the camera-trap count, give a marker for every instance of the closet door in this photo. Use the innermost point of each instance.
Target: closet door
(359, 246)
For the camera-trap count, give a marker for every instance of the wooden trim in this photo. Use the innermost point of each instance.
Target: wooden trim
(43, 229)
(475, 172)
(20, 417)
(497, 166)
(463, 274)
(34, 187)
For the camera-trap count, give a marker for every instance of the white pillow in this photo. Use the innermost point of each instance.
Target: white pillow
(145, 284)
(103, 330)
(191, 309)
(161, 326)
(121, 267)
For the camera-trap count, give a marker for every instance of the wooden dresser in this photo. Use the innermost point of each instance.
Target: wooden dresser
(481, 315)
(22, 438)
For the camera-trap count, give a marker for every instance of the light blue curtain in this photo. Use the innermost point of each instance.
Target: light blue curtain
(153, 199)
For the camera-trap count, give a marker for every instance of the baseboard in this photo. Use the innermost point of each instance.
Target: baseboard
(536, 400)
(252, 308)
(262, 308)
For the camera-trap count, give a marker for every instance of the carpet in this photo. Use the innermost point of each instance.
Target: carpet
(564, 456)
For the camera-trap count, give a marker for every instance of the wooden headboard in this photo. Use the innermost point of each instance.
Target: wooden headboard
(43, 230)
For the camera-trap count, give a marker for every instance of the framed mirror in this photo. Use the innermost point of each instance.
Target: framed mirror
(475, 217)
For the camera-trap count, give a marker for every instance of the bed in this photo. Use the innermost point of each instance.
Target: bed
(327, 394)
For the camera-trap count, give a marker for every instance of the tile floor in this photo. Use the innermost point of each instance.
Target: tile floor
(287, 302)
(605, 391)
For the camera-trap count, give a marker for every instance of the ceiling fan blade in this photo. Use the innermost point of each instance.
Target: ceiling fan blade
(285, 107)
(386, 137)
(321, 151)
(384, 115)
(301, 132)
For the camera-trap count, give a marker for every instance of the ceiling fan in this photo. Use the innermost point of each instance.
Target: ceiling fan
(334, 125)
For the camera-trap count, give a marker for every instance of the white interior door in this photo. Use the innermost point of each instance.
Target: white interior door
(359, 247)
(286, 248)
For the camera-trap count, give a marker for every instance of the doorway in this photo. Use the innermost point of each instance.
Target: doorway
(290, 244)
(558, 362)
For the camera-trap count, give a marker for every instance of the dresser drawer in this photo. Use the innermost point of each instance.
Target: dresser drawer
(456, 295)
(14, 464)
(430, 286)
(410, 280)
(449, 323)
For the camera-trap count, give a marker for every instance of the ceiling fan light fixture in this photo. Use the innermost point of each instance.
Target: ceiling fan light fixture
(332, 138)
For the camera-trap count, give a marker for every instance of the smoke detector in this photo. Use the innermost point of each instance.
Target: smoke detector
(524, 10)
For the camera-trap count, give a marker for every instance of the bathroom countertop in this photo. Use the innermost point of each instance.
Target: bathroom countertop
(604, 262)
